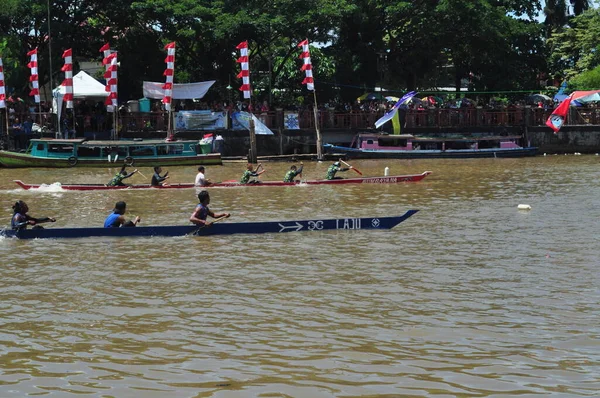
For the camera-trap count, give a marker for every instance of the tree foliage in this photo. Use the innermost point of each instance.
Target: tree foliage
(360, 44)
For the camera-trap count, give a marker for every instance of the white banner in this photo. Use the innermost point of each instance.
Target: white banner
(200, 120)
(180, 91)
(241, 121)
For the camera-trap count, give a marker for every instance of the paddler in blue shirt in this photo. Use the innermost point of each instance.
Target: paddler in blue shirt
(251, 172)
(201, 212)
(117, 219)
(117, 180)
(334, 168)
(293, 172)
(20, 218)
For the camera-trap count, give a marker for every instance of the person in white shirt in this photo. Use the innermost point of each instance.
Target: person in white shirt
(201, 181)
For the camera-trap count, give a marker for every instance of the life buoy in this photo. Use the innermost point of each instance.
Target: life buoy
(72, 161)
(129, 161)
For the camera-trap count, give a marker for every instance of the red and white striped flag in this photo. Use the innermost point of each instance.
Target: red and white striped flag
(34, 78)
(2, 90)
(307, 65)
(110, 62)
(68, 82)
(245, 72)
(169, 72)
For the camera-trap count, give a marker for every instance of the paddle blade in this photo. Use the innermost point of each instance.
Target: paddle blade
(358, 171)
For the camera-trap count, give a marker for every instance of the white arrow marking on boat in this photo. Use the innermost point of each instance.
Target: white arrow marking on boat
(297, 227)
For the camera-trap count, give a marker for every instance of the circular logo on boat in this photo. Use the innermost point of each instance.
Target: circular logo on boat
(375, 222)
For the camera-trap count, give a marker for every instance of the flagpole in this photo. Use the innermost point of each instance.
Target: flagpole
(7, 133)
(319, 141)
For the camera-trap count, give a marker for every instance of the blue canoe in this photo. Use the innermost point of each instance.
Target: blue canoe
(215, 229)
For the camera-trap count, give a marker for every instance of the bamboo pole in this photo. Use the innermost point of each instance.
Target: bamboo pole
(319, 140)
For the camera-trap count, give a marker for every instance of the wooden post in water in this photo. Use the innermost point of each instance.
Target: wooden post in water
(253, 155)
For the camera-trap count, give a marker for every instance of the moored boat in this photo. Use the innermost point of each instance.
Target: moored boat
(215, 229)
(46, 152)
(407, 146)
(363, 180)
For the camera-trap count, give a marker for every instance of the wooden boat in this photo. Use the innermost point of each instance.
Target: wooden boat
(216, 229)
(362, 180)
(407, 146)
(46, 152)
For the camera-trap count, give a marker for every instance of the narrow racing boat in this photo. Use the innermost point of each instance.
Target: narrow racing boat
(229, 184)
(215, 229)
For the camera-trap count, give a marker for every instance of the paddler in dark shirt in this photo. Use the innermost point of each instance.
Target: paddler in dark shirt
(20, 218)
(117, 218)
(117, 180)
(157, 179)
(292, 173)
(201, 212)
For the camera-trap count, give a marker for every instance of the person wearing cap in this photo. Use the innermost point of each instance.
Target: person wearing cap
(201, 212)
(117, 218)
(117, 180)
(293, 172)
(334, 168)
(201, 180)
(157, 179)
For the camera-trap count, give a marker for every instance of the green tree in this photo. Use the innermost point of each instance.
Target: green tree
(577, 48)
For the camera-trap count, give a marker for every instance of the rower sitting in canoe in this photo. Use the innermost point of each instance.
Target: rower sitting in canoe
(117, 180)
(157, 179)
(20, 219)
(292, 173)
(201, 180)
(117, 218)
(334, 168)
(251, 172)
(202, 211)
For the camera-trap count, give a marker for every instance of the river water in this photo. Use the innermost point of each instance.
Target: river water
(469, 297)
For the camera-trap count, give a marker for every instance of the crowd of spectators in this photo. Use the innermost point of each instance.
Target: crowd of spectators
(27, 121)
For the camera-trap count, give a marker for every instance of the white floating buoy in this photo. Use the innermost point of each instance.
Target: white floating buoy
(577, 154)
(524, 207)
(544, 153)
(386, 171)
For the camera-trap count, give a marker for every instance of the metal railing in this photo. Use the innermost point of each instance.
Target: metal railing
(331, 119)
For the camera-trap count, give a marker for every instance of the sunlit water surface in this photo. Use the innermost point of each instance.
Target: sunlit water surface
(470, 297)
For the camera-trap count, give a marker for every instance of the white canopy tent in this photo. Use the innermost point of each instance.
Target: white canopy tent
(84, 86)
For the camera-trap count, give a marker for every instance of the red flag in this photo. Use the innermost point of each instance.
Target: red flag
(303, 42)
(105, 47)
(68, 53)
(34, 51)
(243, 44)
(559, 115)
(170, 45)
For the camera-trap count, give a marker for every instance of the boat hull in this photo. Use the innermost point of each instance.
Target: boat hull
(366, 180)
(216, 229)
(22, 160)
(431, 154)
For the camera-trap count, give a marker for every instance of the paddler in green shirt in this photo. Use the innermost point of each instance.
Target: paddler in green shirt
(251, 172)
(334, 168)
(292, 173)
(117, 180)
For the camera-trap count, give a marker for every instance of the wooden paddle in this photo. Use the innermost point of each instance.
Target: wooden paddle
(195, 232)
(142, 174)
(358, 171)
